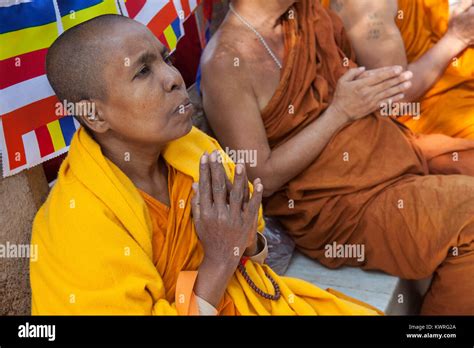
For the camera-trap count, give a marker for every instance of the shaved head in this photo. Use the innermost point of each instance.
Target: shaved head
(75, 61)
(119, 81)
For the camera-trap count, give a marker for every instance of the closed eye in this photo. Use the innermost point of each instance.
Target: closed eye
(144, 70)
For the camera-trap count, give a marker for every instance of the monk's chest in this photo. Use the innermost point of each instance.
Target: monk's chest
(260, 68)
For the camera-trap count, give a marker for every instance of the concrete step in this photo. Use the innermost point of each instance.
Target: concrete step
(375, 288)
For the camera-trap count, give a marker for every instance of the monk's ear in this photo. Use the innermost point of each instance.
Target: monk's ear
(91, 115)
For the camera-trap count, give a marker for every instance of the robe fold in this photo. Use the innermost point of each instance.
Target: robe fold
(448, 106)
(104, 247)
(370, 185)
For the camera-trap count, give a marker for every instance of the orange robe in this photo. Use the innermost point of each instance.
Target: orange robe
(105, 248)
(448, 107)
(177, 247)
(370, 185)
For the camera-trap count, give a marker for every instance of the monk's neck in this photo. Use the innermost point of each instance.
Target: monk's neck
(142, 164)
(262, 13)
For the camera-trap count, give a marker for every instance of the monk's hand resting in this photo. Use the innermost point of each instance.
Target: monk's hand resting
(359, 92)
(226, 224)
(461, 28)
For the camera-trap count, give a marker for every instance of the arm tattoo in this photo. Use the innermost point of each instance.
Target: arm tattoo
(375, 25)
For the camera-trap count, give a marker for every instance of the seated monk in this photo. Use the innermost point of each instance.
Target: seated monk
(429, 38)
(334, 172)
(116, 235)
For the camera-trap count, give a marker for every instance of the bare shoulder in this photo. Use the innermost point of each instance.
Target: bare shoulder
(223, 54)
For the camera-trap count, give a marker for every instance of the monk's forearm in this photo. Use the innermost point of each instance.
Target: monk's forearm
(290, 159)
(212, 280)
(431, 66)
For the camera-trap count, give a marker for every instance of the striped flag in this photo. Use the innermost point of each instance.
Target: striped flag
(186, 7)
(27, 101)
(73, 12)
(161, 17)
(49, 140)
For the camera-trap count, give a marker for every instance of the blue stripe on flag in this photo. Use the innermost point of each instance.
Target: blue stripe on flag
(68, 128)
(66, 6)
(26, 15)
(176, 27)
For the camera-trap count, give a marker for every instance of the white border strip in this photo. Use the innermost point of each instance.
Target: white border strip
(24, 93)
(149, 10)
(59, 20)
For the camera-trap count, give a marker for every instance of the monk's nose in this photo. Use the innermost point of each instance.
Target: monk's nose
(173, 80)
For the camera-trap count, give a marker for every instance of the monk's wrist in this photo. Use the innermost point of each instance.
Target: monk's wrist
(338, 117)
(252, 249)
(212, 279)
(222, 265)
(454, 43)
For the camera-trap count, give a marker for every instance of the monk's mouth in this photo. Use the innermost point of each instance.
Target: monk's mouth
(186, 108)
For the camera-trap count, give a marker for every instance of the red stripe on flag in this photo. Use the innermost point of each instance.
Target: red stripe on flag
(134, 6)
(186, 8)
(22, 67)
(22, 121)
(164, 18)
(44, 141)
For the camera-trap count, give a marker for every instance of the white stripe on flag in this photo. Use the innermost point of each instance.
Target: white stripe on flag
(76, 123)
(121, 8)
(149, 10)
(179, 9)
(24, 93)
(192, 5)
(8, 3)
(181, 15)
(5, 162)
(59, 21)
(31, 146)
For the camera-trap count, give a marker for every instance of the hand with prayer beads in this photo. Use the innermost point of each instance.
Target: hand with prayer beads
(360, 93)
(226, 222)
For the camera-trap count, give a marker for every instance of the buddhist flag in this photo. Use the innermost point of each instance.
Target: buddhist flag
(74, 12)
(186, 7)
(27, 101)
(46, 141)
(160, 16)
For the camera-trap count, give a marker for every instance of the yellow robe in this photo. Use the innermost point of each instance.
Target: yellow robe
(105, 248)
(448, 107)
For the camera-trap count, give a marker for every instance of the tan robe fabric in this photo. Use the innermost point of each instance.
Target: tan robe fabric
(370, 185)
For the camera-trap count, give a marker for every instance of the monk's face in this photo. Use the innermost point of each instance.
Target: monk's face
(146, 99)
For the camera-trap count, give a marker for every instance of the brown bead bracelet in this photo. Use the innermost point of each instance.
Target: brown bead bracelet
(268, 296)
